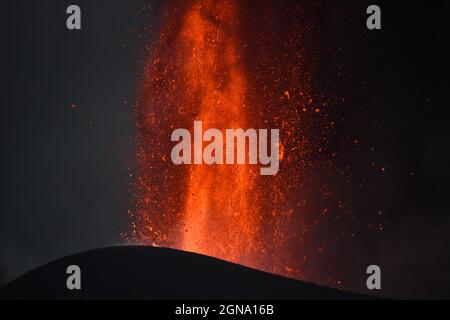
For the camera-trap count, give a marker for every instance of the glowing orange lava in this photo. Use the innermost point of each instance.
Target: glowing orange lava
(220, 218)
(231, 65)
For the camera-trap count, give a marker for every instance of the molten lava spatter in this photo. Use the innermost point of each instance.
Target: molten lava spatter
(231, 64)
(218, 209)
(220, 213)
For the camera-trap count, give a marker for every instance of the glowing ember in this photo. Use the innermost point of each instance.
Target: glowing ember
(231, 65)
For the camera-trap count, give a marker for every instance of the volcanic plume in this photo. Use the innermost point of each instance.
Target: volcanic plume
(233, 64)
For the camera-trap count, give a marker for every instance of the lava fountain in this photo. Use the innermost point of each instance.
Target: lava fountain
(224, 63)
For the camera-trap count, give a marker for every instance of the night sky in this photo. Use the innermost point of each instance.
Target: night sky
(68, 134)
(66, 126)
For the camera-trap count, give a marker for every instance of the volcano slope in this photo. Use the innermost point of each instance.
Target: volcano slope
(137, 272)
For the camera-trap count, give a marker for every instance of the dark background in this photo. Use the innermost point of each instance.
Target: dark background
(398, 80)
(66, 170)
